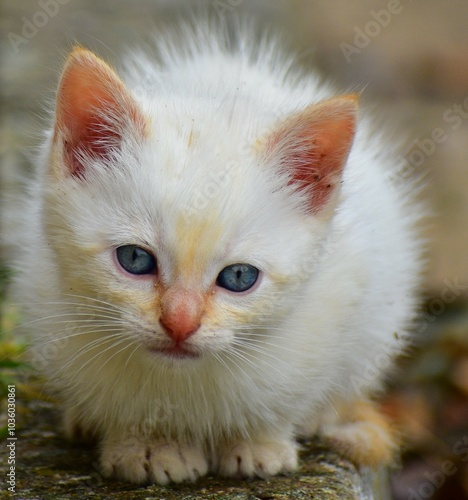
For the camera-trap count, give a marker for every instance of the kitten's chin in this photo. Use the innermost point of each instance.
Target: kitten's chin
(175, 352)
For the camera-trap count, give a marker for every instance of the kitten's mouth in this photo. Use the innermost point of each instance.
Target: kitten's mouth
(175, 351)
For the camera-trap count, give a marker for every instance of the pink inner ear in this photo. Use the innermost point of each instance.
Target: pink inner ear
(95, 139)
(89, 93)
(315, 145)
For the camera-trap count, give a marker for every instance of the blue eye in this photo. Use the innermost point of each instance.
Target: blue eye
(135, 260)
(238, 277)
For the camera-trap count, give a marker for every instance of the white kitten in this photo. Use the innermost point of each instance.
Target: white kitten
(220, 259)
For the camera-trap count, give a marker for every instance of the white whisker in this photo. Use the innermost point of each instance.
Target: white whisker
(89, 347)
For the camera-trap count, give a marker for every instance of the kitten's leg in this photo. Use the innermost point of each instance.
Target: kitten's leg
(262, 458)
(362, 433)
(76, 430)
(152, 461)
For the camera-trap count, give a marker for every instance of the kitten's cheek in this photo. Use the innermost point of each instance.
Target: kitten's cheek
(252, 289)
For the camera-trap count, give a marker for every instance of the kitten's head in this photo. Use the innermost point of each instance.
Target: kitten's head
(180, 240)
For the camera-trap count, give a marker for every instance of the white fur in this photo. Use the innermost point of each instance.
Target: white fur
(332, 308)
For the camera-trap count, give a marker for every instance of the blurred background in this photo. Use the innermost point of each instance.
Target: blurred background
(410, 59)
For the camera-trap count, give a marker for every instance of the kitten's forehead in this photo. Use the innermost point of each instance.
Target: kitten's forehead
(206, 167)
(194, 187)
(198, 239)
(208, 137)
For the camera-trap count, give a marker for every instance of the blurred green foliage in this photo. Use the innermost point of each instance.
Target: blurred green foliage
(11, 346)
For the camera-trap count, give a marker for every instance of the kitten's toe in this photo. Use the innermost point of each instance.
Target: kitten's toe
(170, 462)
(125, 460)
(155, 462)
(262, 459)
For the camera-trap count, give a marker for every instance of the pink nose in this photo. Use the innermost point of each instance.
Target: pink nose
(178, 330)
(181, 312)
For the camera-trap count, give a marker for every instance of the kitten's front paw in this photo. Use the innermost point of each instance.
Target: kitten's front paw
(159, 462)
(262, 458)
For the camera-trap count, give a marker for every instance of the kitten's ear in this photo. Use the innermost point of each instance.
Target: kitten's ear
(313, 147)
(93, 111)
